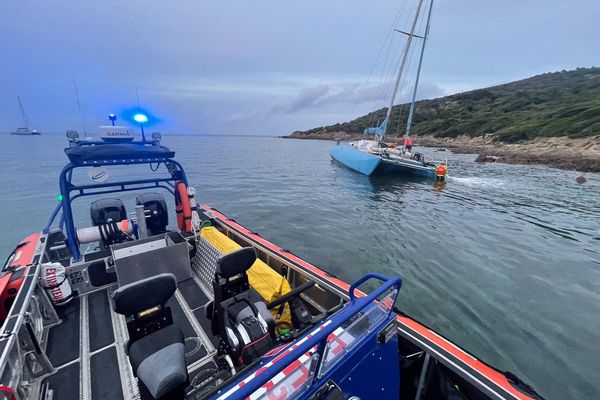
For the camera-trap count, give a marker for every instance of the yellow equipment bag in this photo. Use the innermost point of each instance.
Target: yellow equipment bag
(268, 283)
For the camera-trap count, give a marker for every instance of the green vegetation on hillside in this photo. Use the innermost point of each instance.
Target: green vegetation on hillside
(565, 103)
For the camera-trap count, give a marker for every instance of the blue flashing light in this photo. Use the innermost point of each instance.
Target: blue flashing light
(131, 115)
(140, 118)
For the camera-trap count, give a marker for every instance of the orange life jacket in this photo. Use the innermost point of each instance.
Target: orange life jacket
(441, 170)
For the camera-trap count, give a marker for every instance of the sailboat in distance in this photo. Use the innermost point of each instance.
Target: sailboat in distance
(28, 130)
(374, 156)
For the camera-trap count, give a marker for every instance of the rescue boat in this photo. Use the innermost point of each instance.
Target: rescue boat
(127, 306)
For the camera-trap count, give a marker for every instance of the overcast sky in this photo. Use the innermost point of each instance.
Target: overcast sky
(264, 67)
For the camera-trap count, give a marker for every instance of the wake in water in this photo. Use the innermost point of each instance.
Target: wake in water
(476, 181)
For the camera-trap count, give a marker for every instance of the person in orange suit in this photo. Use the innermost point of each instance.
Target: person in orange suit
(441, 171)
(409, 143)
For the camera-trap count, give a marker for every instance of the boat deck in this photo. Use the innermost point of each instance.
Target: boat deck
(88, 347)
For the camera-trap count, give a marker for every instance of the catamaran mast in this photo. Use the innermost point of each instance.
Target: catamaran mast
(381, 130)
(23, 113)
(403, 62)
(414, 94)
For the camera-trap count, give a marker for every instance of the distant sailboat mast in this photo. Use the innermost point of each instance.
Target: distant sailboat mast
(414, 94)
(381, 130)
(23, 113)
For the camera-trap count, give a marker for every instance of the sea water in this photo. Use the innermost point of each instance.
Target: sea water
(502, 259)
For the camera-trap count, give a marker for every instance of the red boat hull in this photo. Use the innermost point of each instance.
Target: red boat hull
(14, 272)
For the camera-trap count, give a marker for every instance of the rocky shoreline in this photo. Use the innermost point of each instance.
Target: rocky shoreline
(559, 152)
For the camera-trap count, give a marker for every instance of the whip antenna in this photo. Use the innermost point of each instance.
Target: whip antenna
(79, 107)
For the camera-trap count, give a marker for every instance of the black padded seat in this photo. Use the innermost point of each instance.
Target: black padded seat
(233, 267)
(141, 295)
(156, 347)
(143, 348)
(236, 262)
(238, 315)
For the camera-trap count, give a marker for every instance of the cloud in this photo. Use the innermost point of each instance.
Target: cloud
(246, 116)
(341, 99)
(308, 97)
(431, 90)
(324, 95)
(215, 67)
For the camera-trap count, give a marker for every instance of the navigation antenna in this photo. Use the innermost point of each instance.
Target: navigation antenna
(79, 107)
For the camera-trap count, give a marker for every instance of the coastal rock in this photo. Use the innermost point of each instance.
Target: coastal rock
(325, 135)
(482, 158)
(580, 154)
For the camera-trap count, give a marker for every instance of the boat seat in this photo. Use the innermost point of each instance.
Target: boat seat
(156, 346)
(158, 215)
(104, 211)
(238, 314)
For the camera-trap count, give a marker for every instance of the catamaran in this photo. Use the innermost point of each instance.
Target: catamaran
(142, 305)
(374, 156)
(28, 129)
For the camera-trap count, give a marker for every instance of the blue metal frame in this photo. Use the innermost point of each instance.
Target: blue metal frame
(319, 338)
(52, 217)
(66, 187)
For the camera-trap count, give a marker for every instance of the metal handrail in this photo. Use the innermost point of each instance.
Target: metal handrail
(66, 187)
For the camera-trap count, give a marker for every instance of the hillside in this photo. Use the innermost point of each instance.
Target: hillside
(565, 103)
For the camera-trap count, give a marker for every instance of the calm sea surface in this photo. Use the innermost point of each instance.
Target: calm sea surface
(504, 260)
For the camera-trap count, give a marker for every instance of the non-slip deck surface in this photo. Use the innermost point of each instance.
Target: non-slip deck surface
(196, 299)
(65, 382)
(63, 339)
(65, 347)
(105, 378)
(194, 350)
(100, 322)
(194, 296)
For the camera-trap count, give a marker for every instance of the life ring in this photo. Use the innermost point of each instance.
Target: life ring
(182, 207)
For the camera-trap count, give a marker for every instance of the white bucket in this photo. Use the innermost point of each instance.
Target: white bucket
(54, 280)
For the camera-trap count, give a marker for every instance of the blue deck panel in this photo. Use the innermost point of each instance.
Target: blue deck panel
(356, 160)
